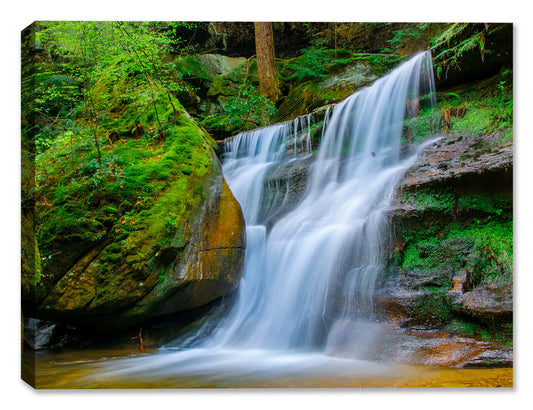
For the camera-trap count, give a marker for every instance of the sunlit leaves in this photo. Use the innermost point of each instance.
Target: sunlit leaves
(87, 70)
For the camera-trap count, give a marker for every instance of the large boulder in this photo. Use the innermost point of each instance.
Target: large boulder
(212, 261)
(197, 268)
(161, 233)
(209, 66)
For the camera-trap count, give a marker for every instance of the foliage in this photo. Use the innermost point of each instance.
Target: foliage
(127, 198)
(458, 40)
(485, 110)
(249, 106)
(426, 123)
(120, 156)
(502, 334)
(492, 254)
(482, 109)
(430, 200)
(317, 62)
(312, 64)
(413, 30)
(83, 59)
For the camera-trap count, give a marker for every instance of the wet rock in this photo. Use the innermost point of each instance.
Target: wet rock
(407, 302)
(211, 265)
(491, 358)
(207, 267)
(365, 340)
(38, 334)
(458, 160)
(439, 349)
(349, 79)
(284, 187)
(209, 66)
(491, 305)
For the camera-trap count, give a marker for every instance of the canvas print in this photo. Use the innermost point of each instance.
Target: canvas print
(266, 205)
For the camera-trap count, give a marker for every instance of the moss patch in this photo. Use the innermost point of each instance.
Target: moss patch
(480, 109)
(484, 250)
(428, 199)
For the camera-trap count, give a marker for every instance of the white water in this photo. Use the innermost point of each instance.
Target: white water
(318, 264)
(309, 278)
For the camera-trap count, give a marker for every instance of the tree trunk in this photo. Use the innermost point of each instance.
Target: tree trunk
(266, 62)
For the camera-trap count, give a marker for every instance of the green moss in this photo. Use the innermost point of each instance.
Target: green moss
(436, 253)
(421, 126)
(381, 64)
(223, 86)
(465, 327)
(474, 122)
(190, 66)
(430, 200)
(178, 196)
(483, 108)
(491, 258)
(494, 203)
(412, 259)
(487, 108)
(304, 98)
(483, 249)
(317, 62)
(456, 231)
(312, 64)
(229, 83)
(433, 305)
(224, 124)
(502, 334)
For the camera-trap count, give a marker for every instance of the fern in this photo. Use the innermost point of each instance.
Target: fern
(456, 41)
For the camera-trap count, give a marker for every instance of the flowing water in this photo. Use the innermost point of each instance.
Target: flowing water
(310, 276)
(303, 314)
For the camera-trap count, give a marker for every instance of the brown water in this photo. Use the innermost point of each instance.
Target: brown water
(128, 369)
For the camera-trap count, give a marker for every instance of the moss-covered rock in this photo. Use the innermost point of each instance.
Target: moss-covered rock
(119, 233)
(344, 77)
(208, 267)
(452, 221)
(209, 66)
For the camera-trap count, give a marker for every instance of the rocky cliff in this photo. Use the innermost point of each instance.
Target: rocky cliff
(450, 266)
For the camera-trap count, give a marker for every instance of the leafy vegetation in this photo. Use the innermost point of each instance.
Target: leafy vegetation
(456, 41)
(409, 32)
(120, 156)
(430, 200)
(91, 70)
(249, 106)
(312, 64)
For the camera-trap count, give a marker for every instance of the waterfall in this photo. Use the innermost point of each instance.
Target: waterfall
(310, 271)
(317, 265)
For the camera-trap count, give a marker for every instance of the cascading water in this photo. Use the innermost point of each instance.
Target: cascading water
(318, 263)
(309, 273)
